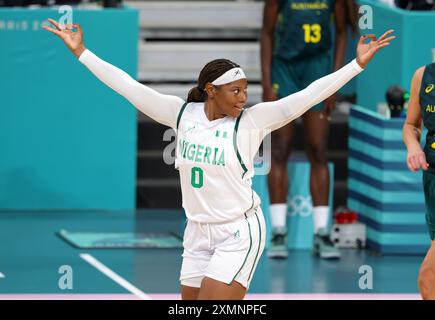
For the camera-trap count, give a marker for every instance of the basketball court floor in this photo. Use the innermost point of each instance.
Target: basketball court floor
(37, 263)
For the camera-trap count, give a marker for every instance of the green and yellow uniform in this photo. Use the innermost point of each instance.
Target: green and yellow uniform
(427, 104)
(302, 45)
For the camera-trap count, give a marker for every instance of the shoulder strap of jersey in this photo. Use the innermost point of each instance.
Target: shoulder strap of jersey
(181, 113)
(236, 127)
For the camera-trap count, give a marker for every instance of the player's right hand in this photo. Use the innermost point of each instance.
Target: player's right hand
(72, 39)
(416, 159)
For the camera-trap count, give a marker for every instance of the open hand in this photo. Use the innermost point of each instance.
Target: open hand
(72, 39)
(366, 51)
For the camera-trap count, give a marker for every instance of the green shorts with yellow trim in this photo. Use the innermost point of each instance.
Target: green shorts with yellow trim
(292, 76)
(429, 195)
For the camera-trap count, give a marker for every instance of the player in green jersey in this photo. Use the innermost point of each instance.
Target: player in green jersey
(421, 111)
(296, 49)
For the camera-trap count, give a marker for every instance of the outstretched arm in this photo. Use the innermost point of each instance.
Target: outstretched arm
(275, 114)
(160, 107)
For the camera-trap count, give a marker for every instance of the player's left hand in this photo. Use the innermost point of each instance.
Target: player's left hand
(416, 159)
(366, 51)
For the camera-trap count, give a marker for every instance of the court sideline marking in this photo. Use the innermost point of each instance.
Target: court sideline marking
(115, 277)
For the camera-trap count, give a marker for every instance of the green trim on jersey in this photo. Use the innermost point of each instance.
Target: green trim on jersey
(249, 250)
(259, 244)
(236, 127)
(181, 113)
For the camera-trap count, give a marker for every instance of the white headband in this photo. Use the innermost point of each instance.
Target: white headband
(230, 76)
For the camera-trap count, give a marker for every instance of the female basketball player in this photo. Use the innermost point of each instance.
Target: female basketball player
(216, 143)
(421, 110)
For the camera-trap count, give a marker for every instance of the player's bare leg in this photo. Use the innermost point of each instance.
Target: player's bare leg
(216, 290)
(189, 293)
(426, 276)
(278, 190)
(316, 130)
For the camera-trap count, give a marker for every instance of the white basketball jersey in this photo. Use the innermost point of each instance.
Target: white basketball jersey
(215, 182)
(216, 185)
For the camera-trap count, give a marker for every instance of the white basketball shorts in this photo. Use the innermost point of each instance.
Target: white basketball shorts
(225, 252)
